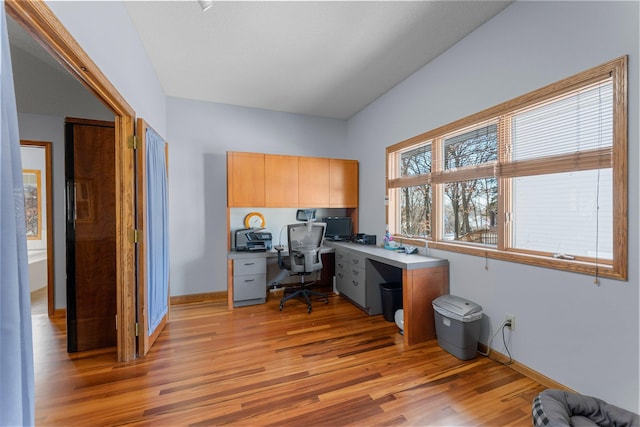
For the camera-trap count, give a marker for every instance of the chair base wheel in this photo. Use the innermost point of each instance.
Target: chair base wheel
(307, 294)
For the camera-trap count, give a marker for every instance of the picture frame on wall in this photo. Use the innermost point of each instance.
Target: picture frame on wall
(31, 179)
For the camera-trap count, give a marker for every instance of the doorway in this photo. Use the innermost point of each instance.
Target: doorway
(37, 176)
(43, 26)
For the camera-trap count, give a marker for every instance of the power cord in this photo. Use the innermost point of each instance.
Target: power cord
(491, 340)
(505, 324)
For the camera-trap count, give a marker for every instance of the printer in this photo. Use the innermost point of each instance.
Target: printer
(252, 240)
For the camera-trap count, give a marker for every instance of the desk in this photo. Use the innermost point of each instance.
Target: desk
(249, 273)
(423, 279)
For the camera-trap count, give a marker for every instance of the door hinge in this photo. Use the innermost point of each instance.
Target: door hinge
(132, 142)
(136, 329)
(135, 235)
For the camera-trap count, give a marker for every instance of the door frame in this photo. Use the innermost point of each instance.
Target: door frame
(46, 146)
(44, 26)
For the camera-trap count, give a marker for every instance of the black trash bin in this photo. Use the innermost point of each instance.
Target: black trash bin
(391, 299)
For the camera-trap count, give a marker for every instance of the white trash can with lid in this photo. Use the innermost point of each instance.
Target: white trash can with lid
(457, 325)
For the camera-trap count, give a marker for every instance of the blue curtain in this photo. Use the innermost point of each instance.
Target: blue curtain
(157, 232)
(16, 346)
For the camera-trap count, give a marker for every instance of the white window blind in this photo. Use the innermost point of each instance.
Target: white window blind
(562, 194)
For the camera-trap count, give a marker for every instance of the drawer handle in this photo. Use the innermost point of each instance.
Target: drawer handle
(355, 283)
(340, 275)
(249, 280)
(355, 261)
(355, 272)
(340, 265)
(249, 263)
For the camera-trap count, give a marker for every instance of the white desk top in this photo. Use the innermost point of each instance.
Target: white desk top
(270, 253)
(386, 256)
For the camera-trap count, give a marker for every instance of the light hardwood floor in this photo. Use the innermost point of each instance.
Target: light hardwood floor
(258, 366)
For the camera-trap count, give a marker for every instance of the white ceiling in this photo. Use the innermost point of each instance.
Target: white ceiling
(322, 58)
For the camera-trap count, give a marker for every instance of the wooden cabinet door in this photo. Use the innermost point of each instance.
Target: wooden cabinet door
(281, 181)
(313, 182)
(343, 183)
(245, 179)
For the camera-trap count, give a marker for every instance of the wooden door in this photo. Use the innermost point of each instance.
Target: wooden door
(313, 182)
(91, 234)
(146, 338)
(245, 179)
(281, 181)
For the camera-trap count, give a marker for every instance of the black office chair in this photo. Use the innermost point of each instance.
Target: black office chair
(305, 241)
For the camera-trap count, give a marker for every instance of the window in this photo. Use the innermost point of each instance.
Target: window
(415, 200)
(470, 190)
(540, 179)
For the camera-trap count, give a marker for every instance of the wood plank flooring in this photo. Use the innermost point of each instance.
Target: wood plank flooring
(259, 366)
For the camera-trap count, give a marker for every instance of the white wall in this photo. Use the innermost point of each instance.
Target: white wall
(199, 136)
(51, 128)
(581, 335)
(106, 34)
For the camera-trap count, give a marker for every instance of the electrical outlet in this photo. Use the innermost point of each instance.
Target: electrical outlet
(510, 318)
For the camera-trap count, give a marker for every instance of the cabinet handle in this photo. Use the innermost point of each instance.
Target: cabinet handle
(340, 275)
(355, 272)
(249, 263)
(355, 283)
(249, 280)
(340, 265)
(355, 261)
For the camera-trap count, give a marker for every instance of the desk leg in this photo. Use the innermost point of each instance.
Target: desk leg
(419, 289)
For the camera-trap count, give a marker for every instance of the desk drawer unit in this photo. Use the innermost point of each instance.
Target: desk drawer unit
(357, 280)
(341, 270)
(249, 281)
(356, 285)
(350, 280)
(356, 260)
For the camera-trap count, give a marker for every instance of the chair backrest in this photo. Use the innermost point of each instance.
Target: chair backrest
(305, 242)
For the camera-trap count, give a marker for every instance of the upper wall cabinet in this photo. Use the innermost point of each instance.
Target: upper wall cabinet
(313, 189)
(245, 179)
(268, 180)
(343, 185)
(281, 181)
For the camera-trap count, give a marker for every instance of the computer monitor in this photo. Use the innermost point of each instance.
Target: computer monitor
(338, 227)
